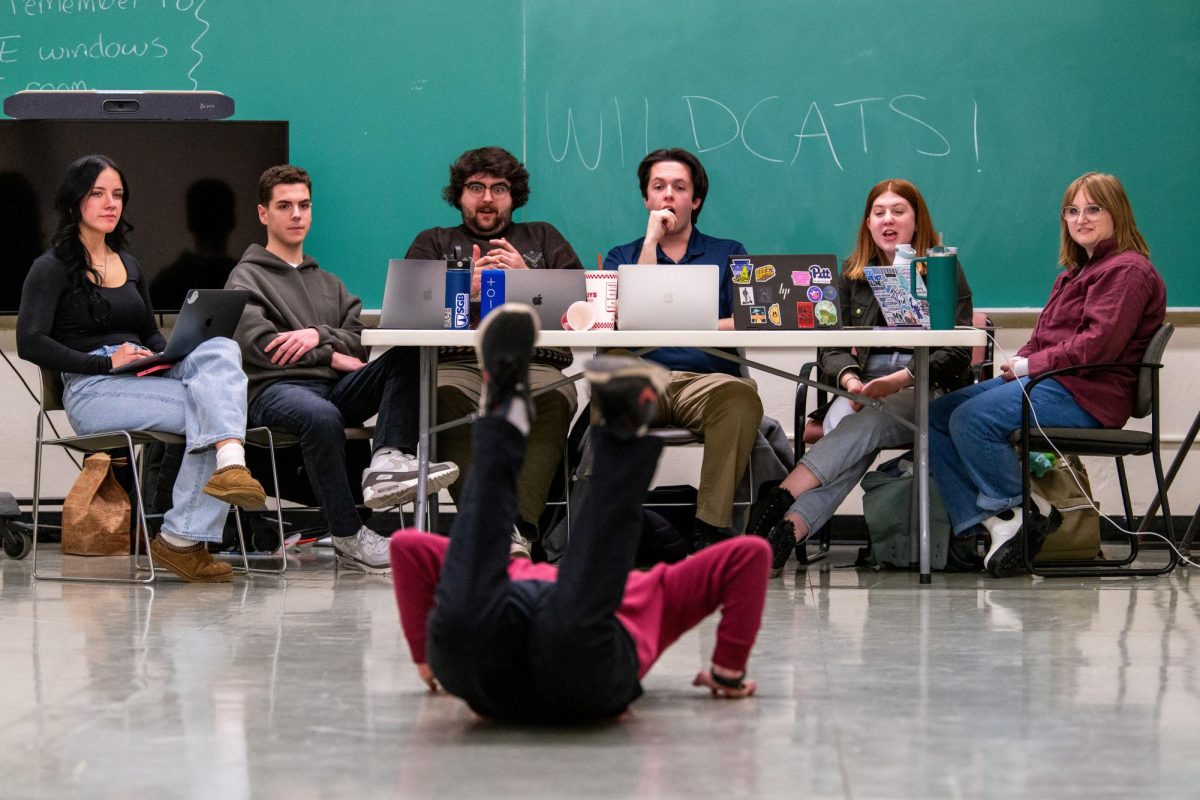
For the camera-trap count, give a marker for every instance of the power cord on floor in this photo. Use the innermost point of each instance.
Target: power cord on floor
(1075, 477)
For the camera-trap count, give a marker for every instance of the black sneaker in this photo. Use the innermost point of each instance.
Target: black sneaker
(625, 393)
(772, 503)
(705, 535)
(504, 347)
(782, 539)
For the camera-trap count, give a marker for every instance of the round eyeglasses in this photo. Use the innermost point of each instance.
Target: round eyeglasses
(497, 189)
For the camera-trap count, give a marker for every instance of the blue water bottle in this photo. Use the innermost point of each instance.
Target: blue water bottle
(458, 293)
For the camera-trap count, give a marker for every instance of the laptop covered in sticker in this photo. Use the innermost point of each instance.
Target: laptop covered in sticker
(787, 292)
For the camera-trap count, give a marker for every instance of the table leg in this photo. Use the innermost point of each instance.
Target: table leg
(921, 455)
(426, 404)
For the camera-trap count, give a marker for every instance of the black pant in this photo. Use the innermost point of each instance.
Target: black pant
(536, 650)
(319, 411)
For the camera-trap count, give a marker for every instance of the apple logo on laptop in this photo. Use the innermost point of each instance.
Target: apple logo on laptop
(668, 298)
(427, 294)
(537, 299)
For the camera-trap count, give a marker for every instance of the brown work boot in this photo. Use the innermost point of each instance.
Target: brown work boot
(194, 564)
(234, 484)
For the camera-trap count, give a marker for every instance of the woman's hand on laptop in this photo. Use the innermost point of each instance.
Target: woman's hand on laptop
(289, 346)
(127, 353)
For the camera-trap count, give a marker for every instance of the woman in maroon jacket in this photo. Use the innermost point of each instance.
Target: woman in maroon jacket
(1104, 307)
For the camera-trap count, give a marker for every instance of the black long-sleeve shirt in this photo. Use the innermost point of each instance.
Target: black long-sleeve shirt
(56, 329)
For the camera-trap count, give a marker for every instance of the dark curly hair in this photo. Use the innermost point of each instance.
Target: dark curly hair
(494, 161)
(76, 184)
(699, 176)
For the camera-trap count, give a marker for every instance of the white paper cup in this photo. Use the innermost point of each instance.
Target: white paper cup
(579, 316)
(602, 294)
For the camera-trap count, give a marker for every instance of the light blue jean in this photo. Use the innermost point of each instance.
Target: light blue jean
(977, 470)
(203, 397)
(842, 456)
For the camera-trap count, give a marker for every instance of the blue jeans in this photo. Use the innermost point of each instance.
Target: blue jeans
(318, 412)
(976, 469)
(203, 397)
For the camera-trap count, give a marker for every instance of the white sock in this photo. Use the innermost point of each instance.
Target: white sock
(384, 454)
(232, 454)
(175, 539)
(517, 415)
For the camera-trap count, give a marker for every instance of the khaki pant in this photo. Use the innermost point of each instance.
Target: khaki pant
(459, 387)
(726, 411)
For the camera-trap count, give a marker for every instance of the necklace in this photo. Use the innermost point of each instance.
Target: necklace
(102, 267)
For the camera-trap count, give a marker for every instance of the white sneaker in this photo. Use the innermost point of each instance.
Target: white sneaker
(520, 547)
(392, 480)
(365, 551)
(1006, 554)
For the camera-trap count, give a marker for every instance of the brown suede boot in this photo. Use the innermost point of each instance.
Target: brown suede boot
(234, 484)
(194, 564)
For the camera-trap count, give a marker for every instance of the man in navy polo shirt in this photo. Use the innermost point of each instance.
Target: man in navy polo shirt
(707, 394)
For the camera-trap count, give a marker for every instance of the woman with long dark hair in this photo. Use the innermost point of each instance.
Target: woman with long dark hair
(895, 215)
(85, 310)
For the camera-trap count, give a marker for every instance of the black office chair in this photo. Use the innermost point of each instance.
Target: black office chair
(1115, 443)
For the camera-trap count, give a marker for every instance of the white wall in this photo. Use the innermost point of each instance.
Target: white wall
(1181, 401)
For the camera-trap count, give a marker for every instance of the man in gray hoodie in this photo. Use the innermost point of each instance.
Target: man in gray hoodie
(308, 375)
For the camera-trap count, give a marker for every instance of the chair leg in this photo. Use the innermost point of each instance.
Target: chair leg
(143, 534)
(237, 518)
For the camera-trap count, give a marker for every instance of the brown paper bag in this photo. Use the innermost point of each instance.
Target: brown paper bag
(1079, 537)
(95, 515)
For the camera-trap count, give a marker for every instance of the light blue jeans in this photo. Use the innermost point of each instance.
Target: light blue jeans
(842, 456)
(976, 469)
(203, 397)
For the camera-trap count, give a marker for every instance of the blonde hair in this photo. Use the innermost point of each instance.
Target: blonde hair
(865, 249)
(1105, 191)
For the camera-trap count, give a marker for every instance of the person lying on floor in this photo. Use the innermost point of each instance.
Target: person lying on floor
(536, 643)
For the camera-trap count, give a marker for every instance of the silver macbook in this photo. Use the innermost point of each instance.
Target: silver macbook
(548, 291)
(668, 297)
(414, 296)
(205, 314)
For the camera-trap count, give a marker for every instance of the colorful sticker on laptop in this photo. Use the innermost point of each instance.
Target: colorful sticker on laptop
(820, 274)
(758, 315)
(826, 312)
(764, 273)
(814, 294)
(746, 295)
(801, 278)
(804, 316)
(830, 292)
(774, 315)
(740, 269)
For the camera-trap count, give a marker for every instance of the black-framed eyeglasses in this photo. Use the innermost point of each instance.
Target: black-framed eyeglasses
(498, 189)
(1089, 212)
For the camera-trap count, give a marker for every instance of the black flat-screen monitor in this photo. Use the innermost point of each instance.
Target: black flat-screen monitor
(193, 191)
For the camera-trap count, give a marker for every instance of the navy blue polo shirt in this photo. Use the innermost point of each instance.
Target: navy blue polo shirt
(701, 249)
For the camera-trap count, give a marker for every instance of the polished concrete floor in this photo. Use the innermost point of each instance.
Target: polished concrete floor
(870, 686)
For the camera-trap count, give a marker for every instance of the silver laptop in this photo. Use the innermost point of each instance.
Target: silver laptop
(205, 314)
(548, 291)
(414, 296)
(668, 297)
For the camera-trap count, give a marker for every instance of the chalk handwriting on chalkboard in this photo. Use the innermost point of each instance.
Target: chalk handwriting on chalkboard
(58, 44)
(714, 125)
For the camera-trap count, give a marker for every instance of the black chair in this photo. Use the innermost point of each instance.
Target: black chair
(1115, 443)
(806, 431)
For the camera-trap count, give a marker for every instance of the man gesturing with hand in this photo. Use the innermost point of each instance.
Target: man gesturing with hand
(308, 374)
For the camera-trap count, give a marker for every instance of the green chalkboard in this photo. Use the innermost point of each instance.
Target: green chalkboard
(796, 108)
